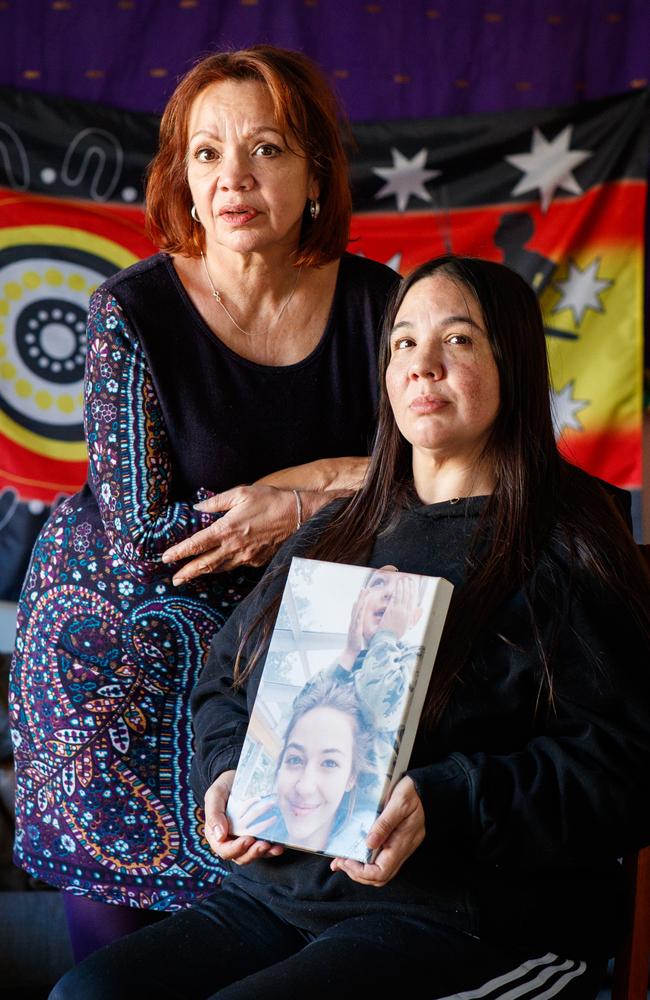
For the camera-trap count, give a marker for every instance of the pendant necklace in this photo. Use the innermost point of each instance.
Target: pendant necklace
(216, 294)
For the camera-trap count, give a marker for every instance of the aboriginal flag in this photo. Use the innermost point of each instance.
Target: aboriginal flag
(70, 215)
(557, 194)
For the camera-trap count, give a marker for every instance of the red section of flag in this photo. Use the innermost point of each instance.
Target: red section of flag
(611, 455)
(611, 213)
(112, 234)
(36, 476)
(120, 224)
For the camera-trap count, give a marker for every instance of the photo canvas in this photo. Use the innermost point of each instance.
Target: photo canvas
(338, 704)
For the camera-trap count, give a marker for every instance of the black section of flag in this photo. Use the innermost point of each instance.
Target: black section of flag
(469, 154)
(73, 149)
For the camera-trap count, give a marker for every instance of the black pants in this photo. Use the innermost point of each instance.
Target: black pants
(231, 947)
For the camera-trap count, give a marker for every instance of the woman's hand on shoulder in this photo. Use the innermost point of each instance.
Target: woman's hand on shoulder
(256, 521)
(240, 850)
(398, 831)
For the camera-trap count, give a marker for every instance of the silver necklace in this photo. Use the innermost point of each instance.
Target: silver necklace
(216, 294)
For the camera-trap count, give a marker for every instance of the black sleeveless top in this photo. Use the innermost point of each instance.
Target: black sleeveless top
(268, 418)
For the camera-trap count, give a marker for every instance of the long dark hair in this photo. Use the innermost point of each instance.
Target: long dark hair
(536, 492)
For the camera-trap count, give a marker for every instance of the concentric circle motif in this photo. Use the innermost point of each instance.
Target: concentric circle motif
(44, 293)
(51, 339)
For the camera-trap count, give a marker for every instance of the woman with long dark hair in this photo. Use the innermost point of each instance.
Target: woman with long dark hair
(497, 870)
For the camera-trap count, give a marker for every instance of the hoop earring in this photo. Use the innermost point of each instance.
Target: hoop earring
(314, 208)
(195, 214)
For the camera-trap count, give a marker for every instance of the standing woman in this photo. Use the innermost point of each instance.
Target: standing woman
(497, 871)
(247, 346)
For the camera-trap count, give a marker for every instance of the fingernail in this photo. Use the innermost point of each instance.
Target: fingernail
(177, 580)
(199, 505)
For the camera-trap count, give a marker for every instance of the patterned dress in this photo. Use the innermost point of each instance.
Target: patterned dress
(107, 649)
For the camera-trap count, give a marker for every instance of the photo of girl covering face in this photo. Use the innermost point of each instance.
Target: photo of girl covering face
(317, 786)
(389, 600)
(376, 658)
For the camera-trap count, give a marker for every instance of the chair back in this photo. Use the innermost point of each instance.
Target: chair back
(632, 962)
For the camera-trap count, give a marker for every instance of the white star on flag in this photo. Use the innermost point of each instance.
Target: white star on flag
(406, 178)
(581, 290)
(549, 165)
(564, 409)
(395, 261)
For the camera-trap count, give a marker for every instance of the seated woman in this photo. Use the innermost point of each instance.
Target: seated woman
(497, 871)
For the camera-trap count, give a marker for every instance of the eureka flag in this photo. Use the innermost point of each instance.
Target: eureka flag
(559, 195)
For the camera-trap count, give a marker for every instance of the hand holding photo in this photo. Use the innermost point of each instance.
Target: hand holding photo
(396, 833)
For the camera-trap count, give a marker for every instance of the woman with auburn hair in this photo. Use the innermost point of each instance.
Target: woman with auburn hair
(497, 873)
(247, 346)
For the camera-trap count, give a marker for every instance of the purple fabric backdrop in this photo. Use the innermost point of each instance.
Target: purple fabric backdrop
(390, 59)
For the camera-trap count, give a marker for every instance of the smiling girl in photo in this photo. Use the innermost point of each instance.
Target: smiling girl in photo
(327, 744)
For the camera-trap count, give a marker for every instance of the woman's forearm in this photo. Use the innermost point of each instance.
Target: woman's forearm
(325, 474)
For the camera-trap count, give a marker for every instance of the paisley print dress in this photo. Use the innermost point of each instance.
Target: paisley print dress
(107, 649)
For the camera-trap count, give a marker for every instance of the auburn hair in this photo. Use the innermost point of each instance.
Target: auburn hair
(308, 114)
